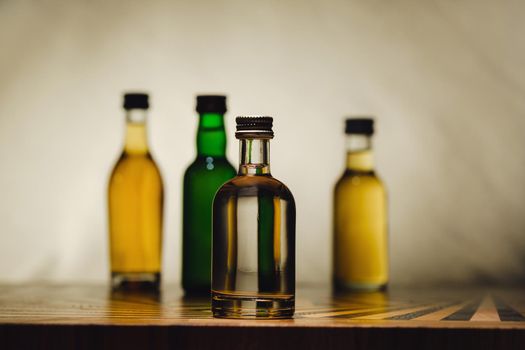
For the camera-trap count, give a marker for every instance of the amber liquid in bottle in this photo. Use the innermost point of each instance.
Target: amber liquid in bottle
(135, 212)
(360, 222)
(253, 271)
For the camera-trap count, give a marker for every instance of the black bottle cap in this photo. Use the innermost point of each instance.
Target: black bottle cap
(254, 126)
(136, 100)
(211, 104)
(364, 126)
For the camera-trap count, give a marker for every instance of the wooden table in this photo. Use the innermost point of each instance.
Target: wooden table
(89, 317)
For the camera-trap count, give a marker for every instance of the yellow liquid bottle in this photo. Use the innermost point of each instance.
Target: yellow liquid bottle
(135, 198)
(360, 217)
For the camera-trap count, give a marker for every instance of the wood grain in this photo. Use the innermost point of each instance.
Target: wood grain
(90, 317)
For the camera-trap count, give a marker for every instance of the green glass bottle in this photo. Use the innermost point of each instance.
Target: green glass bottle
(201, 180)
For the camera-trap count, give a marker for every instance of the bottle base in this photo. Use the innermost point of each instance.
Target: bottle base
(255, 306)
(135, 281)
(359, 287)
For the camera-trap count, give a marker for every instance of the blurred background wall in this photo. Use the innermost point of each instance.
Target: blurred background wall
(445, 80)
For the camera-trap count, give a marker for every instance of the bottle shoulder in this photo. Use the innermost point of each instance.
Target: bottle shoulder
(247, 185)
(371, 175)
(210, 166)
(127, 160)
(131, 159)
(356, 179)
(135, 166)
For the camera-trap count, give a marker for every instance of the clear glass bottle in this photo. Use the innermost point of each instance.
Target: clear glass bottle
(360, 245)
(202, 179)
(253, 270)
(135, 198)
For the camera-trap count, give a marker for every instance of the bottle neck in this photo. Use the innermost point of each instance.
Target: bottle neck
(136, 139)
(254, 157)
(211, 136)
(359, 155)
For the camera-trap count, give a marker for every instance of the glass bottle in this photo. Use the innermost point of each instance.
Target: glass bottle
(253, 270)
(360, 243)
(202, 179)
(135, 196)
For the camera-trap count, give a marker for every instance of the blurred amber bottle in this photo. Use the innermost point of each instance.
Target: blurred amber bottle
(360, 216)
(135, 196)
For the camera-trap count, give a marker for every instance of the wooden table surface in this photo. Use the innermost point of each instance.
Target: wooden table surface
(90, 317)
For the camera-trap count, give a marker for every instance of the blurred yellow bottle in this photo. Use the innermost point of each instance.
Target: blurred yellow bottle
(360, 248)
(135, 197)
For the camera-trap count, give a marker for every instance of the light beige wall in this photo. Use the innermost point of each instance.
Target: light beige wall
(446, 80)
